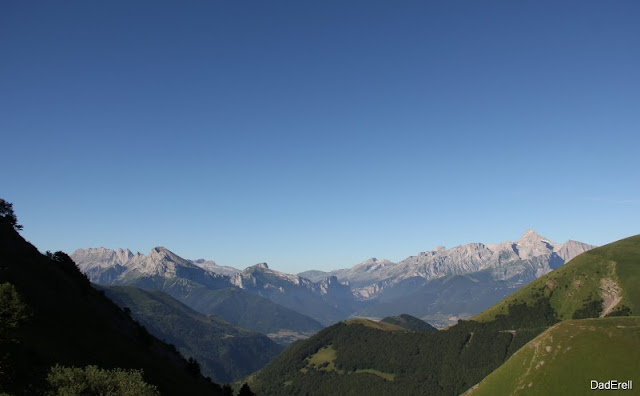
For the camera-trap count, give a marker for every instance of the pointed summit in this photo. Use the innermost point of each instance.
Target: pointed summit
(372, 264)
(533, 244)
(530, 234)
(532, 237)
(162, 253)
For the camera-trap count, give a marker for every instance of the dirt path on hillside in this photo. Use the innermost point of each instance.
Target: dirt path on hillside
(611, 295)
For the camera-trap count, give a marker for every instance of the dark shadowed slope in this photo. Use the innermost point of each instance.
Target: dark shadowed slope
(226, 353)
(72, 324)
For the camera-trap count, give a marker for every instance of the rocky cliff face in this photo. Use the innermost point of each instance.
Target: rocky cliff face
(119, 267)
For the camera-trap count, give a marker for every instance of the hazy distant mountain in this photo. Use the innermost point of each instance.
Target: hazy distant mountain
(314, 275)
(202, 290)
(104, 266)
(443, 285)
(327, 300)
(211, 266)
(524, 260)
(461, 280)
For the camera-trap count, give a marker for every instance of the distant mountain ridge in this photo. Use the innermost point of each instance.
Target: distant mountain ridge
(105, 266)
(211, 266)
(374, 288)
(326, 301)
(505, 260)
(198, 288)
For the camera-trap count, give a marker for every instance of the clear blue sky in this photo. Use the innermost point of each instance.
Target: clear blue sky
(316, 134)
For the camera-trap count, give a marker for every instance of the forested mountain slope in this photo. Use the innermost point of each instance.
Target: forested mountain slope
(358, 357)
(59, 318)
(225, 352)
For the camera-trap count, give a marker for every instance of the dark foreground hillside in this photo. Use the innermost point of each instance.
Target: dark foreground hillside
(51, 315)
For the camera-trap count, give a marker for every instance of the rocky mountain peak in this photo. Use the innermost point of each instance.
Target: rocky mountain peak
(533, 244)
(160, 254)
(530, 236)
(372, 264)
(573, 248)
(160, 250)
(262, 265)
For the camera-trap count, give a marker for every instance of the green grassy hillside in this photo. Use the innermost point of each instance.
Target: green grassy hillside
(565, 358)
(601, 282)
(225, 352)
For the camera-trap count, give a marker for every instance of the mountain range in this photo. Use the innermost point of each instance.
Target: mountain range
(198, 288)
(440, 283)
(521, 261)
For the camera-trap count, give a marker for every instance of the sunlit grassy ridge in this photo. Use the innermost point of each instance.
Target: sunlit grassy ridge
(610, 273)
(565, 358)
(375, 325)
(408, 322)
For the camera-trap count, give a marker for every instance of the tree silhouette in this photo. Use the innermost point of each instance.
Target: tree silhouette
(6, 213)
(193, 367)
(246, 391)
(227, 390)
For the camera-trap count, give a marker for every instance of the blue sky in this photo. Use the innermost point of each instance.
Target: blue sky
(318, 134)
